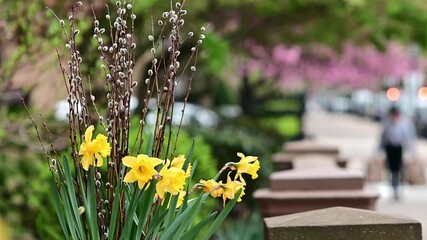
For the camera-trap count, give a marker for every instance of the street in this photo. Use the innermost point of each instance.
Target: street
(358, 140)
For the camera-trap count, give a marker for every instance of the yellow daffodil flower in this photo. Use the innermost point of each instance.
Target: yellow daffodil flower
(94, 151)
(231, 188)
(172, 180)
(180, 199)
(142, 169)
(212, 187)
(179, 161)
(249, 165)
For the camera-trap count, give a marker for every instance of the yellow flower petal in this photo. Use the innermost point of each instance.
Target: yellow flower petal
(91, 149)
(240, 178)
(247, 164)
(253, 169)
(98, 161)
(212, 187)
(141, 184)
(242, 167)
(88, 133)
(83, 149)
(160, 191)
(101, 142)
(86, 161)
(180, 199)
(130, 177)
(172, 180)
(178, 162)
(231, 188)
(188, 172)
(142, 168)
(129, 161)
(155, 161)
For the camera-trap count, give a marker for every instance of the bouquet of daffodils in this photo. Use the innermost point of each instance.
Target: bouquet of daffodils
(111, 186)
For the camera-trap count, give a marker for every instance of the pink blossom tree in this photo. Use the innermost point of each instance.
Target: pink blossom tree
(353, 66)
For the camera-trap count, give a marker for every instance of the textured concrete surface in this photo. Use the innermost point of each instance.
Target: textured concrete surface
(342, 223)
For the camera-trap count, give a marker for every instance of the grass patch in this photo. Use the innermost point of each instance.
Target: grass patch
(287, 126)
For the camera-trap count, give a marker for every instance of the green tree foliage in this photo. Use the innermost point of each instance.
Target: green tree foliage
(326, 21)
(233, 21)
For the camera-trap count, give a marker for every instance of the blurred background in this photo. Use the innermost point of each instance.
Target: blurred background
(269, 71)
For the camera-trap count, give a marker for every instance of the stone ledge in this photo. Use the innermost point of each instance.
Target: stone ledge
(308, 146)
(322, 178)
(340, 223)
(288, 202)
(359, 193)
(285, 161)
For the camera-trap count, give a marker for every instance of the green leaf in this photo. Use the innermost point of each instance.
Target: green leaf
(145, 207)
(171, 210)
(184, 167)
(180, 223)
(130, 211)
(155, 224)
(114, 212)
(187, 224)
(72, 197)
(187, 188)
(189, 156)
(59, 209)
(214, 226)
(68, 211)
(91, 212)
(194, 231)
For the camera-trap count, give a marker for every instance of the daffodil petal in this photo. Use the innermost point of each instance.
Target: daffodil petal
(88, 133)
(129, 161)
(103, 146)
(129, 177)
(141, 184)
(83, 149)
(99, 160)
(156, 161)
(178, 161)
(87, 161)
(160, 191)
(242, 179)
(180, 199)
(250, 159)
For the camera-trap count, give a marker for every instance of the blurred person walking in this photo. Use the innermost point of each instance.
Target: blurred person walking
(398, 135)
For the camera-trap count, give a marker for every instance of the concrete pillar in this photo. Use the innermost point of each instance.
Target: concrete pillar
(341, 223)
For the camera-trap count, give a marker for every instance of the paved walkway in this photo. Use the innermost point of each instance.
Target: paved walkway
(358, 140)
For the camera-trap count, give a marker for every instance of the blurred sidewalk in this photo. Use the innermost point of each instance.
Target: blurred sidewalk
(358, 139)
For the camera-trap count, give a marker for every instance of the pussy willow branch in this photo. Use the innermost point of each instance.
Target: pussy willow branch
(49, 136)
(150, 85)
(48, 158)
(186, 99)
(118, 70)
